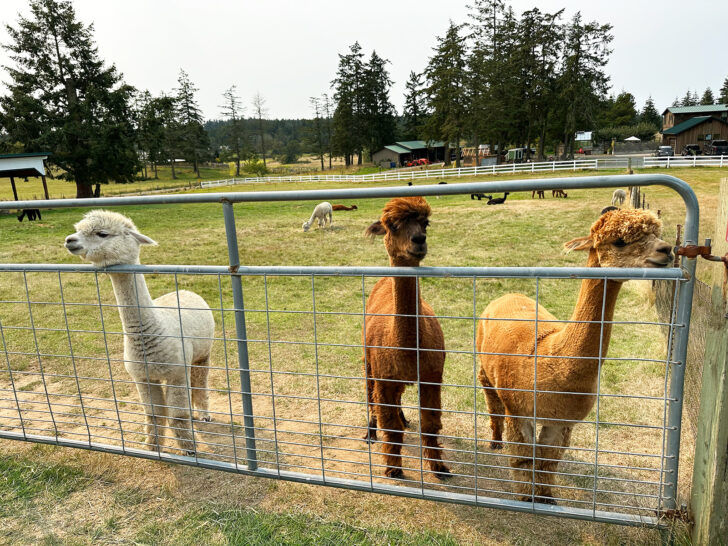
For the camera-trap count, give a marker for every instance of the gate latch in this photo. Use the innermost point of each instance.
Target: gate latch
(693, 251)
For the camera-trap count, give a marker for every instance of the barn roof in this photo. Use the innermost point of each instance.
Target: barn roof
(420, 144)
(689, 124)
(699, 109)
(397, 149)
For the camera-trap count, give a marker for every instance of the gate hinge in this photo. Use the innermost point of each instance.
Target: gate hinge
(679, 514)
(693, 251)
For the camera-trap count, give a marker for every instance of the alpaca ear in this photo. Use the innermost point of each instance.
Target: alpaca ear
(580, 243)
(375, 229)
(143, 239)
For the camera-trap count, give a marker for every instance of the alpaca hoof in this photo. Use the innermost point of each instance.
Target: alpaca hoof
(442, 472)
(395, 473)
(539, 500)
(496, 445)
(190, 453)
(207, 419)
(370, 437)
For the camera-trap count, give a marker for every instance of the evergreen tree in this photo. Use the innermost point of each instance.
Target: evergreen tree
(414, 107)
(151, 128)
(582, 80)
(378, 113)
(707, 97)
(317, 133)
(193, 140)
(327, 109)
(233, 110)
(723, 97)
(650, 114)
(348, 119)
(689, 99)
(447, 91)
(623, 111)
(62, 99)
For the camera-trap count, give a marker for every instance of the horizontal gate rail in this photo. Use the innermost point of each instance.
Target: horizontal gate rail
(265, 428)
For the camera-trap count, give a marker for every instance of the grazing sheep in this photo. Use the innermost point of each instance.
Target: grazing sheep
(320, 213)
(619, 238)
(344, 207)
(166, 340)
(618, 197)
(393, 338)
(498, 200)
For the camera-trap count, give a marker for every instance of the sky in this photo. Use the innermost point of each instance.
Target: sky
(287, 50)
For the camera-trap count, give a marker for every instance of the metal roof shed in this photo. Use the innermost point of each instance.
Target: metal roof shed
(14, 166)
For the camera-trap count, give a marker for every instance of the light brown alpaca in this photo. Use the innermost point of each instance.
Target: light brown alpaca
(619, 238)
(391, 322)
(344, 207)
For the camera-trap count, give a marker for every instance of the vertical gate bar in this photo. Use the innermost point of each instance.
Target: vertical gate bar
(318, 381)
(241, 334)
(37, 352)
(108, 362)
(227, 371)
(188, 370)
(535, 390)
(270, 368)
(475, 386)
(367, 435)
(419, 385)
(599, 392)
(73, 358)
(12, 381)
(678, 374)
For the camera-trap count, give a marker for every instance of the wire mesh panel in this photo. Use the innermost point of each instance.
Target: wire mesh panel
(304, 383)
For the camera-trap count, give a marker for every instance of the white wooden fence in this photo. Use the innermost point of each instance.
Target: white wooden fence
(687, 161)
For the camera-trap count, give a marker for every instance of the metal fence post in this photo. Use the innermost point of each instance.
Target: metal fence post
(241, 334)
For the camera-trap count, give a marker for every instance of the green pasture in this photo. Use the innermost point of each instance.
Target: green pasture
(147, 502)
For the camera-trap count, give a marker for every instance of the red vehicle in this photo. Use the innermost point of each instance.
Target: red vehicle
(418, 162)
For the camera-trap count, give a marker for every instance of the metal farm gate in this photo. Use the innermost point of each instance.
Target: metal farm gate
(288, 392)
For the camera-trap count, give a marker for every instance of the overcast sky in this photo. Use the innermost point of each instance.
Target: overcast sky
(287, 49)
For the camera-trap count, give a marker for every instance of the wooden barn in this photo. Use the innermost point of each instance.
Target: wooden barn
(675, 115)
(695, 130)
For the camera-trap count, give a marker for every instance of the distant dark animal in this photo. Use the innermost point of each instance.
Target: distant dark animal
(31, 214)
(344, 207)
(540, 194)
(443, 182)
(409, 183)
(480, 196)
(559, 193)
(498, 200)
(607, 209)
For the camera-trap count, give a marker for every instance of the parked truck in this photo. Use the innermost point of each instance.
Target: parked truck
(716, 147)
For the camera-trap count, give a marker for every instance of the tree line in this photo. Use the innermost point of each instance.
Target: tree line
(498, 79)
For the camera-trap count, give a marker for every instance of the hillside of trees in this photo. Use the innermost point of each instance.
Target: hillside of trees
(502, 79)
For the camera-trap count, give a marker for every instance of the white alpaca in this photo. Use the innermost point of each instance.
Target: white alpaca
(155, 350)
(320, 213)
(618, 197)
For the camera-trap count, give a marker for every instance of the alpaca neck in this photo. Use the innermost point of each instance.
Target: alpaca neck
(407, 304)
(593, 305)
(135, 303)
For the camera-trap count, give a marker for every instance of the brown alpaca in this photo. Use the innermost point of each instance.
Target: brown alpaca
(391, 322)
(619, 238)
(540, 194)
(344, 207)
(559, 193)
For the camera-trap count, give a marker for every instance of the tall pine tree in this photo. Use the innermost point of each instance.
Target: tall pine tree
(723, 97)
(414, 107)
(232, 109)
(348, 118)
(193, 139)
(650, 114)
(707, 97)
(378, 113)
(62, 99)
(447, 91)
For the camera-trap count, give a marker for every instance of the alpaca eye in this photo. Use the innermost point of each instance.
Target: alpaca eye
(619, 243)
(102, 234)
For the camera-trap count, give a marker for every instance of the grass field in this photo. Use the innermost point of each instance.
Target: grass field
(62, 495)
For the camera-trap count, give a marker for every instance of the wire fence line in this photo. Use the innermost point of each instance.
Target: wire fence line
(287, 388)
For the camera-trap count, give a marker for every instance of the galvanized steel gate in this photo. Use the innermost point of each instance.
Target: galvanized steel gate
(284, 408)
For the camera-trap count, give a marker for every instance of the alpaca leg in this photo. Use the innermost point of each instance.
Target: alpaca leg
(200, 395)
(405, 422)
(496, 411)
(371, 434)
(519, 434)
(386, 396)
(178, 411)
(547, 458)
(152, 397)
(430, 424)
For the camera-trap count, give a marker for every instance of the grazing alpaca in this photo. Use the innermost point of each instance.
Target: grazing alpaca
(31, 214)
(619, 238)
(498, 200)
(344, 207)
(559, 193)
(618, 197)
(390, 322)
(480, 196)
(320, 213)
(155, 350)
(540, 194)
